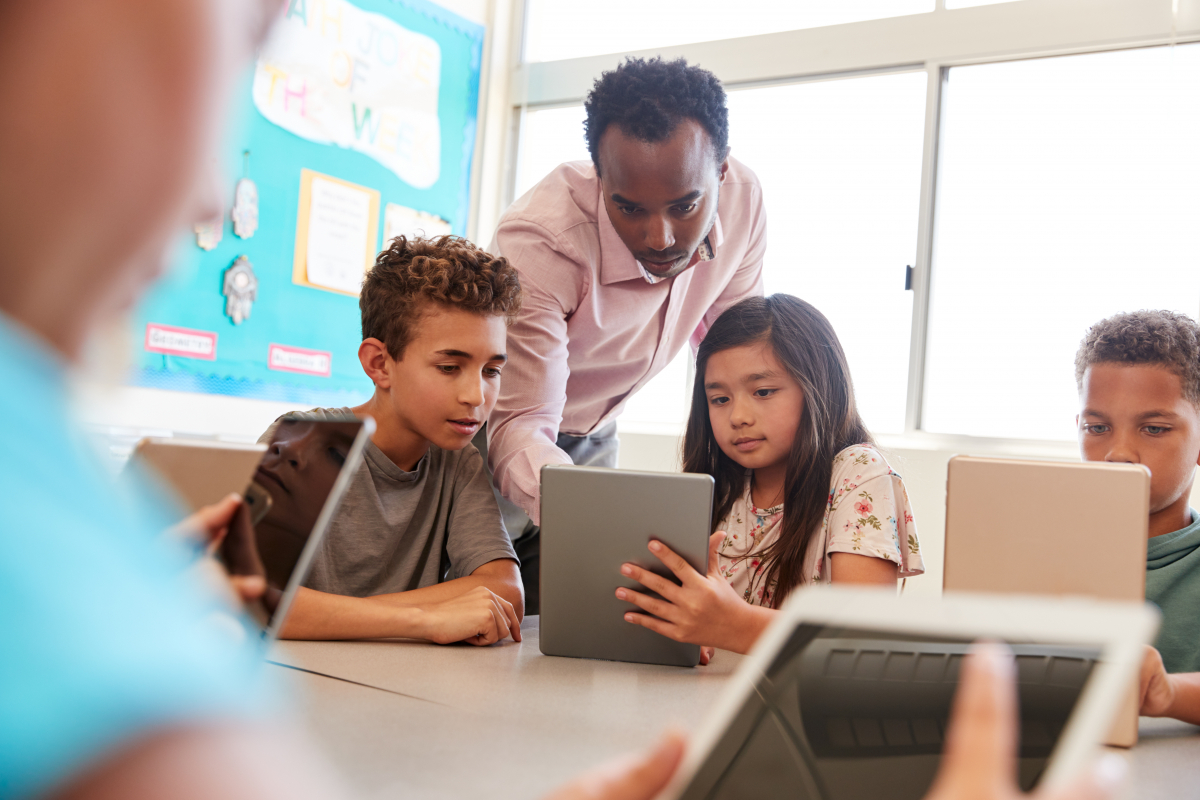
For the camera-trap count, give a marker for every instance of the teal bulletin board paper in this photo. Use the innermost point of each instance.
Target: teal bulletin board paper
(294, 316)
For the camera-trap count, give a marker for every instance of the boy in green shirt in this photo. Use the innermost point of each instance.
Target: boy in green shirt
(1138, 376)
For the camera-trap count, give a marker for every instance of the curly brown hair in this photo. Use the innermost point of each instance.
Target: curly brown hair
(448, 270)
(1161, 338)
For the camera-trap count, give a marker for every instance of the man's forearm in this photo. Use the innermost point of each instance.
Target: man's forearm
(517, 452)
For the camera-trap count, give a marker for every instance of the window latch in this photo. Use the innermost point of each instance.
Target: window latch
(908, 271)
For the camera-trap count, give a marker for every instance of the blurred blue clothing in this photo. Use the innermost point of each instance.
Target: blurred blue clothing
(105, 636)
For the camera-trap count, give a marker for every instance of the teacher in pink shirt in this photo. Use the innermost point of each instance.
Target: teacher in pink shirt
(624, 260)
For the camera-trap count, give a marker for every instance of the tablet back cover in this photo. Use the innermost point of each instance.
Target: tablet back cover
(1047, 527)
(593, 521)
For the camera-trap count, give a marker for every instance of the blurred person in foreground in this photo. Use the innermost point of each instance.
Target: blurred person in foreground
(113, 683)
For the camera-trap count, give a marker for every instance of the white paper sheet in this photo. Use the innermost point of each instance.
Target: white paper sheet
(338, 221)
(402, 220)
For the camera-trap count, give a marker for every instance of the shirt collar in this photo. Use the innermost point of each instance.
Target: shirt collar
(618, 264)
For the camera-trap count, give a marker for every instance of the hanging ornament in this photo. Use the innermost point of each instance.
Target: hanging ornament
(240, 290)
(208, 234)
(245, 203)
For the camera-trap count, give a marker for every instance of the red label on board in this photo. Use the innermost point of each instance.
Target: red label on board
(300, 359)
(185, 342)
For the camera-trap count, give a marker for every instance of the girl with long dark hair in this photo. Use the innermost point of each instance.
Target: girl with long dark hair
(802, 494)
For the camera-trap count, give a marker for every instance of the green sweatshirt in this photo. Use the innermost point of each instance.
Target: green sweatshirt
(1173, 584)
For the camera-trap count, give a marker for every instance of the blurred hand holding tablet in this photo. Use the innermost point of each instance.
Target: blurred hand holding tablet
(848, 693)
(291, 487)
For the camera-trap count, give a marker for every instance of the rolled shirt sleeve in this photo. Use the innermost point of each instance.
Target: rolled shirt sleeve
(524, 426)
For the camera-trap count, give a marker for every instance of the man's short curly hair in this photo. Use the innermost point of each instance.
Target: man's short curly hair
(448, 270)
(1160, 338)
(648, 98)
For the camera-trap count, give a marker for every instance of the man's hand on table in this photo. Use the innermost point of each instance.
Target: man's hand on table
(979, 762)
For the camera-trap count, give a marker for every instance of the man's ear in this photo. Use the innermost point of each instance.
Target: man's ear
(723, 170)
(373, 355)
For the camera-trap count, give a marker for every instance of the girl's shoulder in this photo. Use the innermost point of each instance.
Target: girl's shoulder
(859, 463)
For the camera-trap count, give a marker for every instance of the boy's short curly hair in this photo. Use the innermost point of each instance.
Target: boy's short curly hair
(648, 98)
(447, 270)
(1162, 338)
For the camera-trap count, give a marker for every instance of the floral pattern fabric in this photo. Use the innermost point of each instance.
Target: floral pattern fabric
(867, 513)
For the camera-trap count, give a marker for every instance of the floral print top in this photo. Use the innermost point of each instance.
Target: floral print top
(867, 513)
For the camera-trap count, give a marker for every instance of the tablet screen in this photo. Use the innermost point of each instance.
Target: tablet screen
(845, 714)
(290, 488)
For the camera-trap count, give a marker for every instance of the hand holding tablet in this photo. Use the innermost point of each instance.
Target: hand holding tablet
(687, 611)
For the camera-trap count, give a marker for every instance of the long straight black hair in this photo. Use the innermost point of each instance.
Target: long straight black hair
(805, 344)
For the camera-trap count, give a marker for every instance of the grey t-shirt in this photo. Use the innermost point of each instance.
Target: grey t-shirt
(397, 531)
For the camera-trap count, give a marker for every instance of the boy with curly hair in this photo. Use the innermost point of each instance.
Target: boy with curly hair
(1138, 376)
(418, 549)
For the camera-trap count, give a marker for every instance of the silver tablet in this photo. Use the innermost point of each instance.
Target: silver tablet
(290, 504)
(593, 521)
(847, 694)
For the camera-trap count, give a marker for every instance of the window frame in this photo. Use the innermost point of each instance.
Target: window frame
(932, 42)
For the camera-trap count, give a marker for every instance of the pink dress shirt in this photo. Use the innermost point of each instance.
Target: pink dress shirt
(592, 328)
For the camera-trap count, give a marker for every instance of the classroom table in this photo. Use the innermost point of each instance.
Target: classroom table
(416, 720)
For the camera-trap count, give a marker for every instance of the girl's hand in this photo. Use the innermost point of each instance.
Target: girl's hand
(704, 610)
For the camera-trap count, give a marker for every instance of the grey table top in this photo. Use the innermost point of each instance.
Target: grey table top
(412, 719)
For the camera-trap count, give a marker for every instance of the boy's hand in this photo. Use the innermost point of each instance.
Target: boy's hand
(705, 609)
(479, 617)
(1157, 690)
(629, 778)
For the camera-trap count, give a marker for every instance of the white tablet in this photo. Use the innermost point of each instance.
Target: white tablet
(848, 693)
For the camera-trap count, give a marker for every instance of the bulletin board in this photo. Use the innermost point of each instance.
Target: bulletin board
(376, 95)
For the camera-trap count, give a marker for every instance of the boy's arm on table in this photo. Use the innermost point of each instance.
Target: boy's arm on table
(473, 614)
(1168, 695)
(524, 425)
(502, 577)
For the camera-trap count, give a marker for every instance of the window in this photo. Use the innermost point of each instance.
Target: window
(562, 29)
(1069, 190)
(840, 166)
(549, 137)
